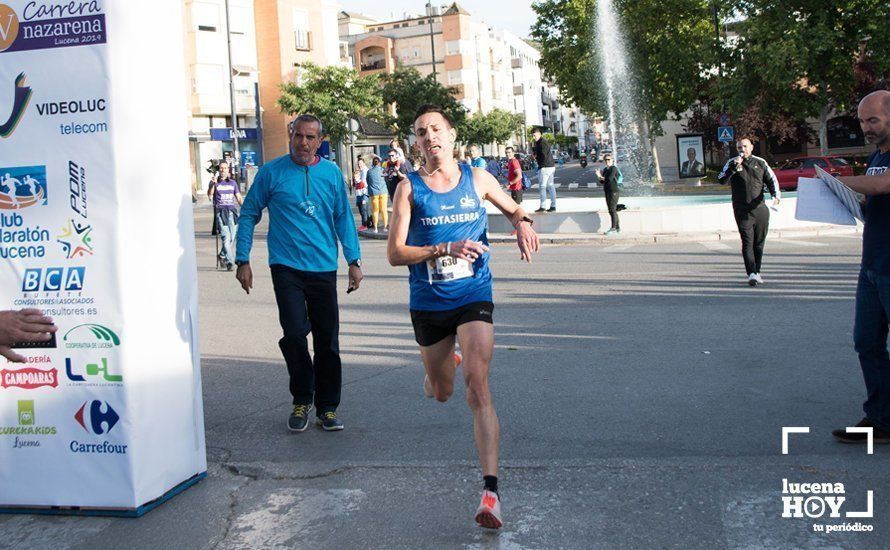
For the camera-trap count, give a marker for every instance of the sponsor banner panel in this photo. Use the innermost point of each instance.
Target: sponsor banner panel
(73, 420)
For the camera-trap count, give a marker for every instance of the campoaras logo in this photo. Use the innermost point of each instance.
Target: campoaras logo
(20, 98)
(9, 27)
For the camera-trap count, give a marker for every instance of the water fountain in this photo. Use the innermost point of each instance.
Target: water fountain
(627, 131)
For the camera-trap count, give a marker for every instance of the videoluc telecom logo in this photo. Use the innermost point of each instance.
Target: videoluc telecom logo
(20, 98)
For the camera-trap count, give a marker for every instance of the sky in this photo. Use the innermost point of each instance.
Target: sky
(512, 15)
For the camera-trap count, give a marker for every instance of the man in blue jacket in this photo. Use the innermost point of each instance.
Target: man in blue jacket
(308, 212)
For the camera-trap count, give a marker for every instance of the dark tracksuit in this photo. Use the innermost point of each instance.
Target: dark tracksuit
(610, 186)
(751, 214)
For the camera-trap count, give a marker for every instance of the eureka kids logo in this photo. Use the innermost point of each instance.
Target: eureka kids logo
(45, 25)
(76, 240)
(20, 98)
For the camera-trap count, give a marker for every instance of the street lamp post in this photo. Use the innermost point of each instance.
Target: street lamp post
(429, 6)
(236, 154)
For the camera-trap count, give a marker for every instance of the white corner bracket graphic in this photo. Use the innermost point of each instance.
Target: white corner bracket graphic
(869, 437)
(868, 510)
(791, 430)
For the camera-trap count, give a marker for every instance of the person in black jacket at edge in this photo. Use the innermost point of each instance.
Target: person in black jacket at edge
(609, 180)
(748, 175)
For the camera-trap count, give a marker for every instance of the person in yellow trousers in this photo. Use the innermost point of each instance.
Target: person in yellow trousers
(379, 195)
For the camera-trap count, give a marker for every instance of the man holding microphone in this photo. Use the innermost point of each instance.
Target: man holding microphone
(748, 175)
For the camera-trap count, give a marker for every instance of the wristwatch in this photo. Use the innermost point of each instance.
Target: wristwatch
(356, 262)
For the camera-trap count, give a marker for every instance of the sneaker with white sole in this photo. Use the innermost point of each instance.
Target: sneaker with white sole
(428, 386)
(488, 514)
(759, 278)
(299, 418)
(752, 279)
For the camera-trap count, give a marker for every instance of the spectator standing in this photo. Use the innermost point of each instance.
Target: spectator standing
(379, 195)
(362, 199)
(546, 170)
(226, 197)
(393, 171)
(609, 180)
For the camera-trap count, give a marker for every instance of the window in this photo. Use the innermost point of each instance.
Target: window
(809, 163)
(452, 47)
(302, 36)
(844, 131)
(205, 16)
(302, 40)
(454, 77)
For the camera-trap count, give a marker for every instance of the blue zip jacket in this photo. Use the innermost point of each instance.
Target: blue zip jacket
(308, 211)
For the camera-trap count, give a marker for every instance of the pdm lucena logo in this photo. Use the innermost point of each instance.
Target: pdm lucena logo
(20, 97)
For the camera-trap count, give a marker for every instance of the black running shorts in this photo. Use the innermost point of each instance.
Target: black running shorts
(431, 327)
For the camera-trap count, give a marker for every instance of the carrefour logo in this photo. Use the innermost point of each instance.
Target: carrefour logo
(20, 97)
(96, 417)
(91, 336)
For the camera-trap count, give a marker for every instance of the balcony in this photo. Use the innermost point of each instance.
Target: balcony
(517, 63)
(374, 66)
(517, 90)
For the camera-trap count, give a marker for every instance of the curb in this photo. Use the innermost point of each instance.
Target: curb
(657, 238)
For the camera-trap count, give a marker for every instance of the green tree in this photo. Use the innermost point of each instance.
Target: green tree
(495, 127)
(670, 47)
(800, 57)
(333, 94)
(407, 90)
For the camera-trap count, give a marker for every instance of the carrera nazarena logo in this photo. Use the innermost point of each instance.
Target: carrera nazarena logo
(29, 378)
(47, 25)
(20, 97)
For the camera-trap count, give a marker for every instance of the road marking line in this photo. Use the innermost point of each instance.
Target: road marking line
(591, 185)
(573, 185)
(715, 246)
(799, 243)
(617, 247)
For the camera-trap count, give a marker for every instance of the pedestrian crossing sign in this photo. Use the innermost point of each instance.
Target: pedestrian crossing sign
(725, 134)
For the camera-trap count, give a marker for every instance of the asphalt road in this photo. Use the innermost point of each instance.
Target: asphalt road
(641, 389)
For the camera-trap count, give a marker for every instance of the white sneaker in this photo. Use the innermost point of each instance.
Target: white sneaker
(752, 279)
(758, 278)
(488, 514)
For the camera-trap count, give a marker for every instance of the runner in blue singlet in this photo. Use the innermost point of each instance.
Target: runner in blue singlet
(438, 230)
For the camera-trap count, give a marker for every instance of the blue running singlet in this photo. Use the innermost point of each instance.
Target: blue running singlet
(447, 283)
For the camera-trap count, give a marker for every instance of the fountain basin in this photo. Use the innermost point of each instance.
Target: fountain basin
(646, 215)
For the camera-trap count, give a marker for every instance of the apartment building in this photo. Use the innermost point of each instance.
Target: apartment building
(289, 33)
(207, 66)
(490, 68)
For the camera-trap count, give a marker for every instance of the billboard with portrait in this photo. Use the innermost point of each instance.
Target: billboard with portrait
(691, 155)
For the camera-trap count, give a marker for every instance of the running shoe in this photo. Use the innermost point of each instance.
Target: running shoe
(328, 422)
(488, 514)
(551, 209)
(428, 386)
(542, 209)
(752, 279)
(758, 278)
(299, 419)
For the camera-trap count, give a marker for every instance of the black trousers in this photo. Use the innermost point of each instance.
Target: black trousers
(612, 205)
(753, 227)
(307, 302)
(517, 195)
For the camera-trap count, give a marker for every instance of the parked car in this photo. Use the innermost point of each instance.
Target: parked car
(805, 167)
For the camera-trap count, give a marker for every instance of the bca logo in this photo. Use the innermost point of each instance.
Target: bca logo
(94, 419)
(54, 279)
